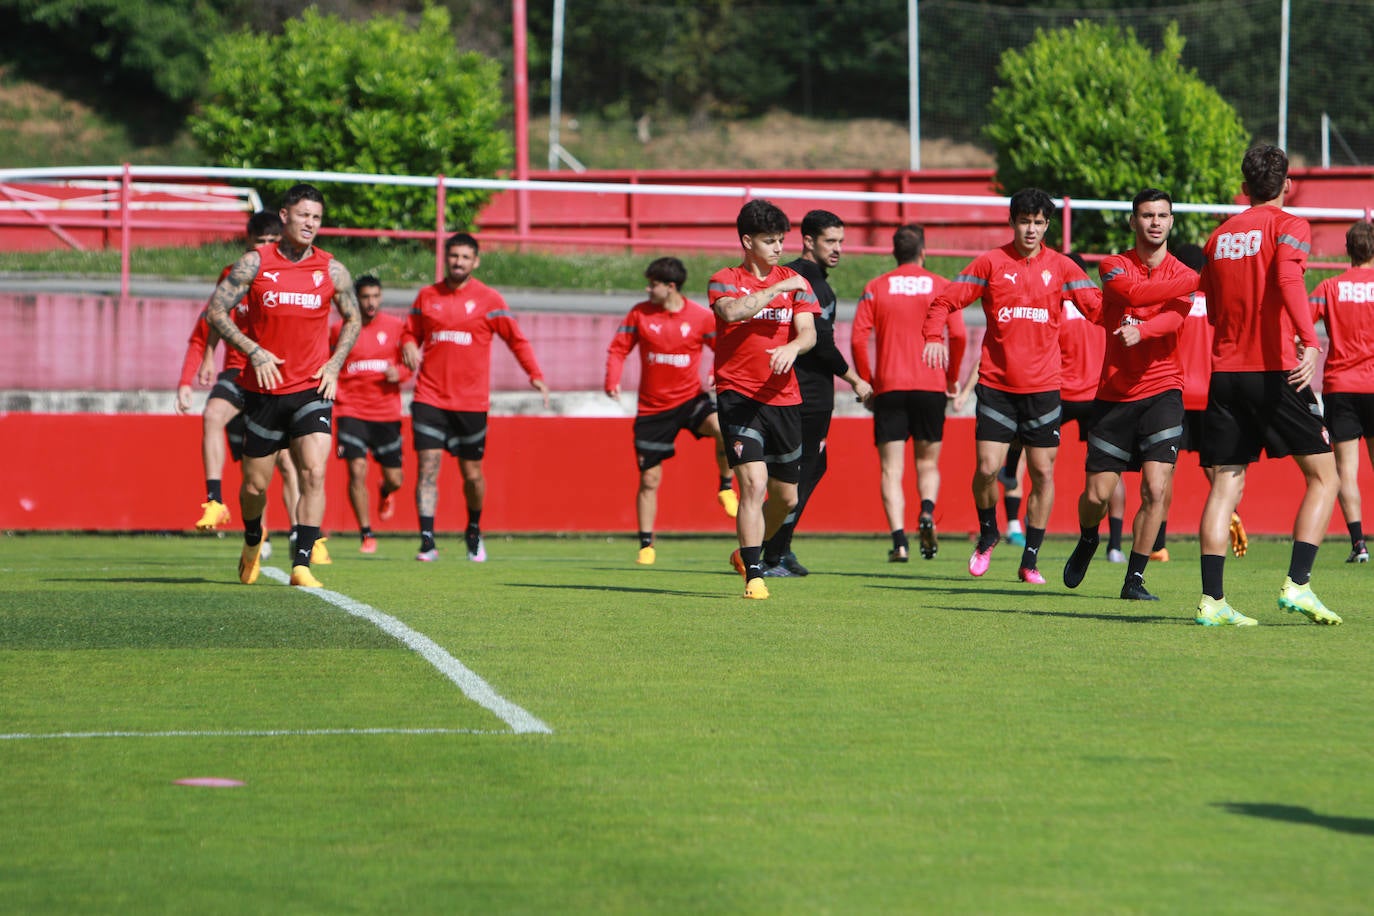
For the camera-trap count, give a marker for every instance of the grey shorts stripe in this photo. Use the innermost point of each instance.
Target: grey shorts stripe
(467, 440)
(996, 416)
(744, 432)
(1107, 448)
(261, 432)
(306, 410)
(644, 445)
(345, 439)
(794, 455)
(393, 446)
(431, 432)
(1164, 435)
(1045, 419)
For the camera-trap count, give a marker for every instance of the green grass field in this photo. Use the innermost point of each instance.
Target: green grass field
(874, 738)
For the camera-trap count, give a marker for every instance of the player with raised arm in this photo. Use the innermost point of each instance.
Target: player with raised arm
(909, 397)
(1023, 287)
(447, 342)
(1138, 419)
(288, 395)
(765, 318)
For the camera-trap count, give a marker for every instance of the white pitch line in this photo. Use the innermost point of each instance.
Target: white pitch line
(473, 687)
(263, 733)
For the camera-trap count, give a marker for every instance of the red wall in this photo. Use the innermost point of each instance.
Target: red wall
(140, 472)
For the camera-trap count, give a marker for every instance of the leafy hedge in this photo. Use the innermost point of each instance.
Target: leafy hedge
(1089, 112)
(378, 96)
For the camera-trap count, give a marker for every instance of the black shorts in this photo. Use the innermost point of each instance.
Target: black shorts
(1349, 415)
(1250, 411)
(815, 427)
(902, 415)
(1081, 412)
(1126, 434)
(461, 433)
(357, 437)
(227, 388)
(1003, 416)
(654, 432)
(762, 432)
(273, 420)
(1192, 431)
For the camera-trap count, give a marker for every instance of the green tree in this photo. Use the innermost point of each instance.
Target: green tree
(1091, 113)
(377, 97)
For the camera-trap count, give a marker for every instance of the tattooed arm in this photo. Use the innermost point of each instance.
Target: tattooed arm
(346, 301)
(227, 295)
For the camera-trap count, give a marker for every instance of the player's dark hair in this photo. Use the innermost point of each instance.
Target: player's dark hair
(264, 223)
(761, 217)
(1032, 202)
(1265, 168)
(366, 281)
(1359, 242)
(667, 270)
(817, 221)
(1192, 255)
(297, 193)
(1149, 196)
(908, 243)
(461, 240)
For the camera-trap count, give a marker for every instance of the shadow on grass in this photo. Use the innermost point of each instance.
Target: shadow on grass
(623, 590)
(147, 580)
(1296, 814)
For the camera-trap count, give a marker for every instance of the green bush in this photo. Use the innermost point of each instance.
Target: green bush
(376, 97)
(1091, 113)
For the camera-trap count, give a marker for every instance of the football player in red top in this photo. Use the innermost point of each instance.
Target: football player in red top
(1137, 422)
(1260, 395)
(765, 318)
(670, 331)
(1023, 287)
(447, 342)
(367, 412)
(1346, 304)
(223, 414)
(909, 397)
(288, 397)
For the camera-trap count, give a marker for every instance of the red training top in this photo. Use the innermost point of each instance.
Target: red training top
(894, 307)
(1082, 345)
(200, 336)
(1255, 292)
(364, 393)
(288, 309)
(1346, 304)
(669, 352)
(454, 329)
(1023, 302)
(742, 346)
(1156, 302)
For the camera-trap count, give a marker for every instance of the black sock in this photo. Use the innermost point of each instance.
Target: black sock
(1159, 538)
(1114, 526)
(724, 483)
(252, 531)
(1300, 563)
(1013, 506)
(365, 532)
(646, 538)
(1030, 555)
(987, 528)
(1213, 568)
(1135, 567)
(472, 535)
(385, 491)
(927, 507)
(750, 556)
(899, 538)
(474, 519)
(426, 532)
(1356, 530)
(306, 536)
(213, 493)
(1089, 535)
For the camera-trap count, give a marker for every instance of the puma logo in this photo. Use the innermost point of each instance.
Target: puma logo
(1011, 277)
(272, 275)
